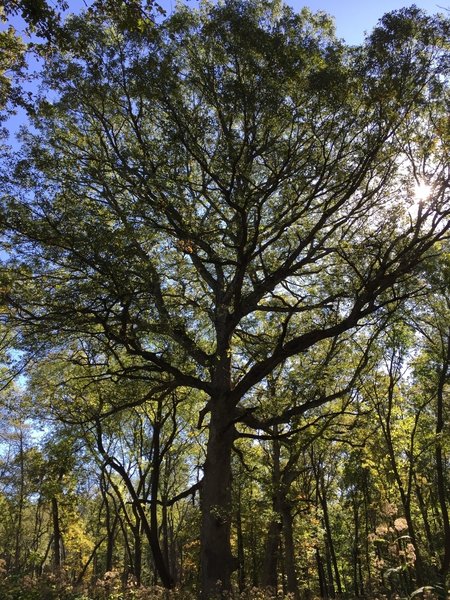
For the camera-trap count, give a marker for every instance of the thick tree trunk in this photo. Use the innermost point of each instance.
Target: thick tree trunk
(217, 561)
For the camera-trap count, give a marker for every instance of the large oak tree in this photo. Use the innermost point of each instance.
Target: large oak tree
(219, 192)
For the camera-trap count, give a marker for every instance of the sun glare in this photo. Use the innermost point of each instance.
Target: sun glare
(421, 192)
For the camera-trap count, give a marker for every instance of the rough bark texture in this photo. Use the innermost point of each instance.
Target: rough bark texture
(217, 561)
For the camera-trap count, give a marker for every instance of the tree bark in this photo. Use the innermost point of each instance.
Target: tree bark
(269, 575)
(334, 574)
(217, 561)
(356, 559)
(110, 523)
(20, 507)
(57, 538)
(289, 553)
(137, 562)
(321, 574)
(240, 543)
(425, 520)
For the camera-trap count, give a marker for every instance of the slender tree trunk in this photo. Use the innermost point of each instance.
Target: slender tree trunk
(368, 527)
(110, 543)
(174, 553)
(425, 519)
(92, 558)
(57, 538)
(240, 543)
(289, 553)
(165, 535)
(161, 557)
(405, 497)
(321, 574)
(330, 544)
(20, 507)
(357, 580)
(329, 570)
(217, 561)
(137, 562)
(110, 523)
(253, 537)
(269, 575)
(331, 560)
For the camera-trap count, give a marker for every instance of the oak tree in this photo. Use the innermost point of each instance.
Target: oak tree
(218, 192)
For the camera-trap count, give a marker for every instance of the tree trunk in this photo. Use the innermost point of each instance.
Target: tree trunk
(137, 562)
(240, 543)
(321, 574)
(20, 507)
(216, 560)
(356, 558)
(424, 513)
(269, 574)
(289, 553)
(334, 574)
(57, 538)
(165, 543)
(110, 523)
(110, 543)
